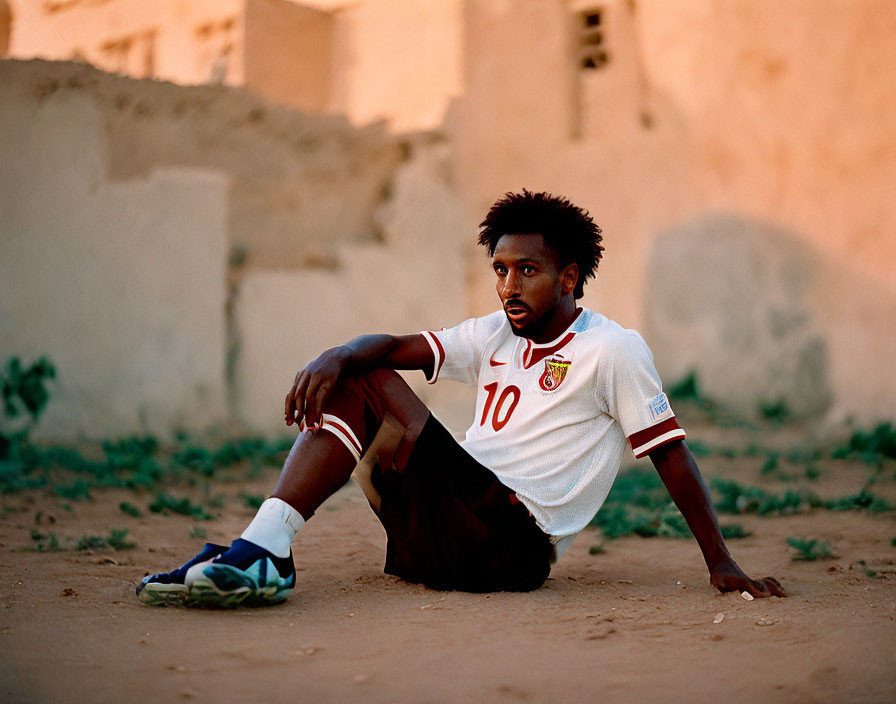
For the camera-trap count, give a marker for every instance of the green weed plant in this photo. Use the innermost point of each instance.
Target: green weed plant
(809, 550)
(168, 504)
(870, 446)
(639, 504)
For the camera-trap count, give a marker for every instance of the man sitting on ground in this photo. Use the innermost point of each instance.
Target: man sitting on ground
(559, 391)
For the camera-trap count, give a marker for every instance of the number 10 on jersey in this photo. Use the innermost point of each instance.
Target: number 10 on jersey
(503, 407)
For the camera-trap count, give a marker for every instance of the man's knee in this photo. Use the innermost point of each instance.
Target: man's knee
(385, 393)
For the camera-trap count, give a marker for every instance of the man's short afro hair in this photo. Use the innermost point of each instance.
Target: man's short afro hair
(566, 228)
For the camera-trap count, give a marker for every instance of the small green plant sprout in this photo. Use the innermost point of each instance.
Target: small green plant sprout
(770, 464)
(809, 550)
(812, 472)
(91, 542)
(253, 501)
(596, 549)
(117, 539)
(775, 411)
(78, 489)
(870, 572)
(699, 448)
(168, 504)
(48, 542)
(199, 533)
(733, 531)
(736, 498)
(864, 500)
(893, 541)
(130, 509)
(24, 389)
(870, 446)
(685, 389)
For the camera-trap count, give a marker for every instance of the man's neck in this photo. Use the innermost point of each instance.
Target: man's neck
(562, 317)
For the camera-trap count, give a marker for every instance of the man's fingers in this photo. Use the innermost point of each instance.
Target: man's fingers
(774, 586)
(312, 400)
(301, 385)
(321, 395)
(758, 589)
(289, 410)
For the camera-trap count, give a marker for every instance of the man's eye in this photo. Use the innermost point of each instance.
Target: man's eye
(527, 269)
(500, 271)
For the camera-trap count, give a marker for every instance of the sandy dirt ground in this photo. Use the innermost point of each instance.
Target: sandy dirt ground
(636, 622)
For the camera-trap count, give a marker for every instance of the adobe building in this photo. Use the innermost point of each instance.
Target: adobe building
(738, 155)
(275, 48)
(398, 60)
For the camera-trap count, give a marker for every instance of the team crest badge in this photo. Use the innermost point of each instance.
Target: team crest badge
(555, 369)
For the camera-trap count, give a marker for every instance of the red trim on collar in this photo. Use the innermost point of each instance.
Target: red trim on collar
(533, 356)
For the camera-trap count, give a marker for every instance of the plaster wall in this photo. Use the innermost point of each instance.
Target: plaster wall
(288, 53)
(130, 214)
(290, 174)
(411, 281)
(98, 275)
(398, 60)
(774, 116)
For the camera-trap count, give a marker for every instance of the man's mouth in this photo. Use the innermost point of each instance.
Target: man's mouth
(516, 310)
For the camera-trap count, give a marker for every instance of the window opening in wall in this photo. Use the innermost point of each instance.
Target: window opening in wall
(53, 6)
(592, 45)
(133, 56)
(214, 50)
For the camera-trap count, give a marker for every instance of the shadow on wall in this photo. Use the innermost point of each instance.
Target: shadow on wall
(730, 300)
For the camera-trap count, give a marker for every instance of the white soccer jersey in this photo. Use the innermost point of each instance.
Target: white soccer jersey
(552, 419)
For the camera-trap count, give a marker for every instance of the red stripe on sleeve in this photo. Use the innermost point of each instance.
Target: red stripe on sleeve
(647, 440)
(438, 354)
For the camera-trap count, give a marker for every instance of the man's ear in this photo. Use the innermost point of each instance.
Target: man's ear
(569, 276)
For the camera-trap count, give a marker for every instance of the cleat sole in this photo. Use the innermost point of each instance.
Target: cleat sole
(164, 594)
(224, 586)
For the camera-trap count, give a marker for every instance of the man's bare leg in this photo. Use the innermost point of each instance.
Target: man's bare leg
(258, 568)
(380, 453)
(320, 462)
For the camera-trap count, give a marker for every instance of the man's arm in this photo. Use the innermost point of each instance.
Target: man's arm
(678, 470)
(314, 383)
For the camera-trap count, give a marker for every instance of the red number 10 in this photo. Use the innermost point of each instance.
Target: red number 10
(497, 421)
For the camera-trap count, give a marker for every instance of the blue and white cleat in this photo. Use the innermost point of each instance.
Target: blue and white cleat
(244, 575)
(168, 588)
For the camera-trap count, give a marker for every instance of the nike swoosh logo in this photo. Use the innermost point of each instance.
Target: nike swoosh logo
(492, 362)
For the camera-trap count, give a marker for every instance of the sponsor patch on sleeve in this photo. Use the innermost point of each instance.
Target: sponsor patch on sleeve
(659, 407)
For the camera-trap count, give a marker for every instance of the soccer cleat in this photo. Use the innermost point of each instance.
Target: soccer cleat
(168, 588)
(244, 575)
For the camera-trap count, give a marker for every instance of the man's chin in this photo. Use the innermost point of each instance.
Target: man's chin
(523, 328)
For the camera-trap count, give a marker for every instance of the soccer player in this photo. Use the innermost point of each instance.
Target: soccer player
(560, 389)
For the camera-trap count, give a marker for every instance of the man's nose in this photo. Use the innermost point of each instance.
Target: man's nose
(512, 284)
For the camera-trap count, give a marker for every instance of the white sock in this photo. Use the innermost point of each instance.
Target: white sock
(274, 527)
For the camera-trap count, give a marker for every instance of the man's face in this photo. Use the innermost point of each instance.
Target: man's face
(530, 282)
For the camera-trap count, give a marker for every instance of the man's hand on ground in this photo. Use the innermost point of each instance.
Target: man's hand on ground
(730, 578)
(313, 385)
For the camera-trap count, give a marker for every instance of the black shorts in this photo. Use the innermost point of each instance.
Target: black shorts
(452, 525)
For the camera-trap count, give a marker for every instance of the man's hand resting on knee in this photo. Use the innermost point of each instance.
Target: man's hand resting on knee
(315, 382)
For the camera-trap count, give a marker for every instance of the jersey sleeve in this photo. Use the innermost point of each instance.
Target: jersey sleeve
(629, 388)
(458, 351)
